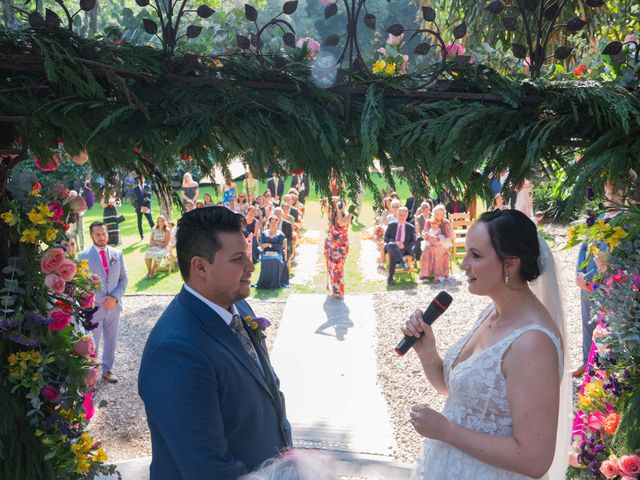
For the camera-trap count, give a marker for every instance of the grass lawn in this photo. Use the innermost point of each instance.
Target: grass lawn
(165, 283)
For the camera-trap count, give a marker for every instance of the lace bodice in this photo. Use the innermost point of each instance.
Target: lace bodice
(477, 400)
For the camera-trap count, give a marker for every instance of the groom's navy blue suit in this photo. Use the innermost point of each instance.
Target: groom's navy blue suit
(212, 413)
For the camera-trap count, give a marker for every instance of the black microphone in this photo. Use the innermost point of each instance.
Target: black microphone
(433, 311)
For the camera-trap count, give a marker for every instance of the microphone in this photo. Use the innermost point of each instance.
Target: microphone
(436, 308)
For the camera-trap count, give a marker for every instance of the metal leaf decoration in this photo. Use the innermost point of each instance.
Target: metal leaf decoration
(460, 31)
(613, 48)
(205, 11)
(562, 52)
(576, 24)
(594, 3)
(332, 40)
(290, 7)
(289, 39)
(36, 20)
(193, 31)
(243, 42)
(330, 10)
(510, 23)
(551, 11)
(370, 21)
(519, 51)
(250, 12)
(87, 5)
(142, 3)
(280, 62)
(396, 29)
(52, 19)
(496, 7)
(422, 49)
(529, 5)
(429, 14)
(149, 26)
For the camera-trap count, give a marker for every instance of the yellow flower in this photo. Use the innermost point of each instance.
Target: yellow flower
(100, 456)
(254, 325)
(36, 216)
(9, 218)
(83, 465)
(35, 356)
(217, 63)
(592, 249)
(594, 390)
(379, 66)
(390, 69)
(44, 210)
(13, 359)
(51, 234)
(571, 234)
(583, 401)
(30, 235)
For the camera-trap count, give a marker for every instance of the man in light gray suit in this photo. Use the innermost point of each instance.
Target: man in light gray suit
(108, 264)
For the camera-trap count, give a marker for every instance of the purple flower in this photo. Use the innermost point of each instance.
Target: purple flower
(590, 194)
(263, 323)
(21, 339)
(591, 218)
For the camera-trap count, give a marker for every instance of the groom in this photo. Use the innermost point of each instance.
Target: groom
(213, 402)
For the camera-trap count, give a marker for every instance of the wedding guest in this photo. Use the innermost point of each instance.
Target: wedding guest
(188, 206)
(110, 217)
(229, 191)
(436, 249)
(275, 186)
(158, 246)
(273, 260)
(421, 219)
(242, 206)
(212, 399)
(208, 201)
(70, 246)
(300, 181)
(295, 465)
(142, 203)
(76, 229)
(286, 227)
(336, 247)
(498, 203)
(189, 189)
(394, 208)
(289, 210)
(108, 264)
(524, 198)
(503, 378)
(250, 186)
(455, 206)
(398, 242)
(252, 232)
(199, 203)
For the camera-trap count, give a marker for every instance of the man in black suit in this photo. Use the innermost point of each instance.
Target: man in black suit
(455, 206)
(300, 181)
(276, 187)
(142, 200)
(398, 242)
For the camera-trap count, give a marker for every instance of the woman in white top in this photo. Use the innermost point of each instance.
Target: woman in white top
(158, 243)
(503, 378)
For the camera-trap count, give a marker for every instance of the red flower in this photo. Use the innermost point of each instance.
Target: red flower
(580, 70)
(64, 306)
(56, 209)
(35, 188)
(48, 165)
(59, 319)
(50, 394)
(610, 424)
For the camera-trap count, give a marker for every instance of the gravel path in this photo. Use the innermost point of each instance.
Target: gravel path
(121, 425)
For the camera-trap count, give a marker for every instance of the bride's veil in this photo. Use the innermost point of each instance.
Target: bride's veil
(547, 289)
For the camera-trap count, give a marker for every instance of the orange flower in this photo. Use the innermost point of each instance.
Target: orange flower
(580, 70)
(35, 189)
(610, 423)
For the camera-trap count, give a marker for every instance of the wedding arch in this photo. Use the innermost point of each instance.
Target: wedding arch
(283, 103)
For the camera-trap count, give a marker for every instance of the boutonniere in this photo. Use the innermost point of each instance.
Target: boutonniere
(257, 325)
(112, 261)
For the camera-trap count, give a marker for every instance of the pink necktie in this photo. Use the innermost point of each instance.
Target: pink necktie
(400, 232)
(105, 264)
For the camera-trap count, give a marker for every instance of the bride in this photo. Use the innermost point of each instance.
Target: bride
(506, 403)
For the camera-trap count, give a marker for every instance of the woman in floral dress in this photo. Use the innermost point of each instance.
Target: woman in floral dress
(336, 247)
(436, 248)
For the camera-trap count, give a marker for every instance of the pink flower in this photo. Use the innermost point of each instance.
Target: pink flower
(395, 41)
(573, 459)
(54, 283)
(600, 331)
(67, 270)
(383, 51)
(91, 377)
(50, 393)
(631, 38)
(57, 210)
(630, 465)
(312, 46)
(48, 165)
(595, 421)
(77, 203)
(51, 260)
(628, 477)
(87, 300)
(59, 319)
(85, 346)
(454, 49)
(405, 63)
(59, 190)
(609, 468)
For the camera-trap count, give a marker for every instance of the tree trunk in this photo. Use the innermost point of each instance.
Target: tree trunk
(8, 13)
(164, 199)
(93, 20)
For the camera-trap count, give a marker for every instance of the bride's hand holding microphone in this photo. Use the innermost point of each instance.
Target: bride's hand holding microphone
(425, 344)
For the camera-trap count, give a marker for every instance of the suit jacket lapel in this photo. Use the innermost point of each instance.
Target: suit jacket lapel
(220, 331)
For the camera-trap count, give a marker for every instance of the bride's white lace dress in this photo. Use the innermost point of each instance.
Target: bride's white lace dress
(477, 400)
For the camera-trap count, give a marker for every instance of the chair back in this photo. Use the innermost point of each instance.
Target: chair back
(453, 217)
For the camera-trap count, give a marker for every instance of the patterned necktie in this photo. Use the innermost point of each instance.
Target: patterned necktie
(105, 264)
(238, 328)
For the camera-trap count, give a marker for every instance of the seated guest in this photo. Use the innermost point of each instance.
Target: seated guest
(267, 205)
(455, 206)
(386, 211)
(289, 210)
(208, 201)
(394, 209)
(436, 249)
(296, 203)
(189, 205)
(398, 242)
(285, 227)
(273, 261)
(498, 203)
(242, 206)
(158, 243)
(200, 203)
(422, 217)
(252, 232)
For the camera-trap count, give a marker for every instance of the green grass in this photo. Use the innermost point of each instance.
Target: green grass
(165, 283)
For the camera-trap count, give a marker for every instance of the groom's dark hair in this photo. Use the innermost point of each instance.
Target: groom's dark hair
(197, 234)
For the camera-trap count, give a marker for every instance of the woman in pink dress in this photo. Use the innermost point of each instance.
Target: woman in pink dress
(436, 248)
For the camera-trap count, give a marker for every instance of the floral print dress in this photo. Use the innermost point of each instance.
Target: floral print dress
(336, 247)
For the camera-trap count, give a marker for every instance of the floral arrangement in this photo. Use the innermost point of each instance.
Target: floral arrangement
(311, 46)
(258, 325)
(390, 61)
(46, 309)
(607, 421)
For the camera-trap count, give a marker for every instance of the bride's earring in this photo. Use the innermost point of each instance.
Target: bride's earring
(506, 279)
